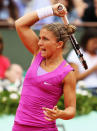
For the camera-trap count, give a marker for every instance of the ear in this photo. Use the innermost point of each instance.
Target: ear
(60, 44)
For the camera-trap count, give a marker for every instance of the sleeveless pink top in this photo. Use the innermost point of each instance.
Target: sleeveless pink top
(40, 91)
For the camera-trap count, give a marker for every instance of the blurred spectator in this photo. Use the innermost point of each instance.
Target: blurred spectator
(13, 79)
(36, 4)
(14, 73)
(8, 9)
(69, 6)
(90, 13)
(89, 49)
(80, 7)
(89, 2)
(22, 5)
(75, 9)
(4, 61)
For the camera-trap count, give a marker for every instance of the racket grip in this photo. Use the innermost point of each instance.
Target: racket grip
(64, 18)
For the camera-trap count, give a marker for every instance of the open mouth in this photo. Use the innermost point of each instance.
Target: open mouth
(43, 50)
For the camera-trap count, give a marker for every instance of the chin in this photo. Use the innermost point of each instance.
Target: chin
(43, 55)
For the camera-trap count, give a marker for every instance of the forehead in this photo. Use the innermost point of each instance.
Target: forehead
(45, 32)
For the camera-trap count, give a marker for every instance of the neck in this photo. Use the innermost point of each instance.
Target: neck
(54, 59)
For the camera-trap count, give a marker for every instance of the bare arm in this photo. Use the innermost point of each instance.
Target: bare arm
(28, 37)
(69, 97)
(81, 76)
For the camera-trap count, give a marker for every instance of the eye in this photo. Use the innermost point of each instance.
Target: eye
(45, 38)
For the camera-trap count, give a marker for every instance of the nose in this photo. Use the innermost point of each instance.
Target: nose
(40, 43)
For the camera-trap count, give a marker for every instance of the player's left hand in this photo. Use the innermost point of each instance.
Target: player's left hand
(51, 114)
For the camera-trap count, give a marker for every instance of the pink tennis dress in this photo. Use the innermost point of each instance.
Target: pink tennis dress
(39, 91)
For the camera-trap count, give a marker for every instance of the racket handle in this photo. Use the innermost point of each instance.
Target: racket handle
(64, 18)
(73, 39)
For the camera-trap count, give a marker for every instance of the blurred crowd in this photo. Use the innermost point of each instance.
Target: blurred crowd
(79, 11)
(11, 75)
(86, 79)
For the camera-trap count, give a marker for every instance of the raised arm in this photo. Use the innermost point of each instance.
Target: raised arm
(26, 34)
(23, 24)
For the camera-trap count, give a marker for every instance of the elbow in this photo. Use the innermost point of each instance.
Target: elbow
(17, 24)
(71, 115)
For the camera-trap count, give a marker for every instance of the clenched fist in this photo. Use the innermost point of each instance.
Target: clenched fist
(58, 12)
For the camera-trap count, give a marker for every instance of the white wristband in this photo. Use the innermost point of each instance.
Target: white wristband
(44, 12)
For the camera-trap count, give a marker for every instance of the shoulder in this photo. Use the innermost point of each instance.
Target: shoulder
(65, 69)
(70, 77)
(69, 81)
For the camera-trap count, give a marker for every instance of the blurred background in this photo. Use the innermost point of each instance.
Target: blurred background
(15, 60)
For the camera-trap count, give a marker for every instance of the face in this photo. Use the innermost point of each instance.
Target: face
(47, 43)
(16, 73)
(92, 45)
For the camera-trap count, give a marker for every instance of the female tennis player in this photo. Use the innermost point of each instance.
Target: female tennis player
(49, 75)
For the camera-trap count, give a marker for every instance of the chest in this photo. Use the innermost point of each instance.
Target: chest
(50, 67)
(50, 82)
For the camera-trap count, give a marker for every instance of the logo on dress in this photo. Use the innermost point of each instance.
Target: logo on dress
(45, 83)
